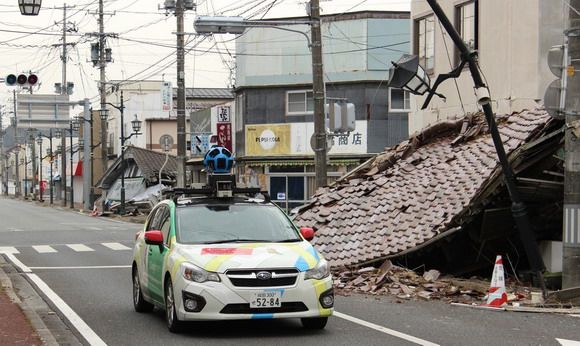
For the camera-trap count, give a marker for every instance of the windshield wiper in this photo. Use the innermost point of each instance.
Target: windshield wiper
(239, 241)
(289, 240)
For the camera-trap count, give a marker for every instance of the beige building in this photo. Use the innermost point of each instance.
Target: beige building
(512, 38)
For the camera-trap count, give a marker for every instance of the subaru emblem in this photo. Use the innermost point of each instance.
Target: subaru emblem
(264, 275)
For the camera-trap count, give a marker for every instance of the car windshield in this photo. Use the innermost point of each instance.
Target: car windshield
(225, 223)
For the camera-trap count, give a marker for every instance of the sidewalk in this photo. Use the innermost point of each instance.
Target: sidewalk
(15, 328)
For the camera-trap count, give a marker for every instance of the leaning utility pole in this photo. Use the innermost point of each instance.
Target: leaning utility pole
(571, 236)
(181, 142)
(318, 95)
(102, 86)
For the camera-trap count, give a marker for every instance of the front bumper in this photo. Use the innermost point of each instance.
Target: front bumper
(223, 301)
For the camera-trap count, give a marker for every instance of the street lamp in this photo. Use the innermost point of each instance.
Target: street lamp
(39, 142)
(136, 125)
(29, 7)
(237, 25)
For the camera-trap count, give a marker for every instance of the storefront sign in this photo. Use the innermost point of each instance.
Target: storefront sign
(268, 140)
(224, 135)
(224, 114)
(167, 96)
(294, 139)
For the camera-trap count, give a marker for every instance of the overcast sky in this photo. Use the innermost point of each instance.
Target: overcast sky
(145, 47)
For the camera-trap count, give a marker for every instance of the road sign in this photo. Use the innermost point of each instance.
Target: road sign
(166, 142)
(200, 144)
(43, 111)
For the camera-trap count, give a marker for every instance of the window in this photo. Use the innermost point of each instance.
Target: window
(425, 41)
(466, 24)
(399, 100)
(299, 102)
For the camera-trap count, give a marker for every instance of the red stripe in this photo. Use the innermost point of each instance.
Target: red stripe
(226, 251)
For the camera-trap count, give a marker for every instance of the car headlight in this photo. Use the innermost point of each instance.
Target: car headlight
(194, 273)
(321, 271)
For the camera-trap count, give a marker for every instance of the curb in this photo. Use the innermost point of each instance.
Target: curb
(36, 310)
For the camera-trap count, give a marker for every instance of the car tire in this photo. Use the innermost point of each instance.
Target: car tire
(138, 301)
(314, 322)
(173, 323)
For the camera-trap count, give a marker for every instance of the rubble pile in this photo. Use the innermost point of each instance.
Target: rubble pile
(403, 283)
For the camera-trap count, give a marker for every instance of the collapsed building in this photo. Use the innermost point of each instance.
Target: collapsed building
(439, 199)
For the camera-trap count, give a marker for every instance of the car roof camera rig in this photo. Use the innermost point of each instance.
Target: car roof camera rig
(218, 162)
(221, 183)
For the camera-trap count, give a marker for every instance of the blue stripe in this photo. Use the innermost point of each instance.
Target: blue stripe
(262, 316)
(301, 264)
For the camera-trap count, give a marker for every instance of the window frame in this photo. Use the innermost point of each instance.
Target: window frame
(459, 25)
(402, 110)
(305, 92)
(416, 45)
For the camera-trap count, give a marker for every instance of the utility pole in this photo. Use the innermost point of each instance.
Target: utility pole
(179, 10)
(571, 236)
(102, 85)
(17, 187)
(318, 94)
(64, 91)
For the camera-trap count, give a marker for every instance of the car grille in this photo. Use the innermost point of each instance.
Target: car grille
(249, 277)
(245, 308)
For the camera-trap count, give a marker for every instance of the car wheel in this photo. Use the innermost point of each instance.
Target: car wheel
(314, 322)
(173, 323)
(138, 301)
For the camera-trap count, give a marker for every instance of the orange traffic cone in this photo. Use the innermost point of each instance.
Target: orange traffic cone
(497, 295)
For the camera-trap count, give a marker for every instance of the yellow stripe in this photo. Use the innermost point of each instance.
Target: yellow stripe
(321, 286)
(308, 257)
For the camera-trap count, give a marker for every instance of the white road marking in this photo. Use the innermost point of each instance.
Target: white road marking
(574, 315)
(79, 247)
(384, 329)
(8, 249)
(44, 249)
(83, 267)
(565, 342)
(95, 228)
(17, 263)
(116, 246)
(75, 320)
(15, 230)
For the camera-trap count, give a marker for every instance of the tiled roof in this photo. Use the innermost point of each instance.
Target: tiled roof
(150, 162)
(413, 192)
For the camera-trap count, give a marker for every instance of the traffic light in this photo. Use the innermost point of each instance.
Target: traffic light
(22, 80)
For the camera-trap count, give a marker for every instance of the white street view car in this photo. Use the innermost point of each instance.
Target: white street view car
(223, 258)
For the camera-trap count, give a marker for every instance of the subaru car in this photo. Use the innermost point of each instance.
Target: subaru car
(209, 258)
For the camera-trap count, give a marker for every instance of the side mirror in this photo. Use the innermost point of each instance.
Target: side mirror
(154, 238)
(307, 233)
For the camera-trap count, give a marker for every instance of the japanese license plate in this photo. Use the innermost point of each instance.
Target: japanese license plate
(266, 299)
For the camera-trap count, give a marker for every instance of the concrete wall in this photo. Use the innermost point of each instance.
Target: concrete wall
(514, 37)
(357, 49)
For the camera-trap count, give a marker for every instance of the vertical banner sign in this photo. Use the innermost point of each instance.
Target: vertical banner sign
(224, 132)
(167, 96)
(224, 127)
(223, 115)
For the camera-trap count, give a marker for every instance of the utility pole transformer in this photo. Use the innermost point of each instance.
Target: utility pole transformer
(571, 236)
(179, 10)
(318, 95)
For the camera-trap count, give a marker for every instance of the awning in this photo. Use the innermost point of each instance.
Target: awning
(78, 169)
(341, 162)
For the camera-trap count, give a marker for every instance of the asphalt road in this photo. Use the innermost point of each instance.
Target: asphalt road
(94, 281)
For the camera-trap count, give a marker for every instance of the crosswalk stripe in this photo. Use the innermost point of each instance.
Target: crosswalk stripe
(79, 247)
(8, 249)
(44, 249)
(116, 246)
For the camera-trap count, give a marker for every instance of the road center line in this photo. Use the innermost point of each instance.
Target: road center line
(384, 330)
(75, 320)
(83, 267)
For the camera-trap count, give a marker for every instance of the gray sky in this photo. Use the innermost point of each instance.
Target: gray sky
(145, 47)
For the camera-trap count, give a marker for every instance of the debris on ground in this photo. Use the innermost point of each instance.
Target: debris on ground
(406, 284)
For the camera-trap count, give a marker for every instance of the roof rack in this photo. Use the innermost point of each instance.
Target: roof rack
(219, 186)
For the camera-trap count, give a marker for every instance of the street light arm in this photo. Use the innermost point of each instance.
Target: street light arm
(119, 108)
